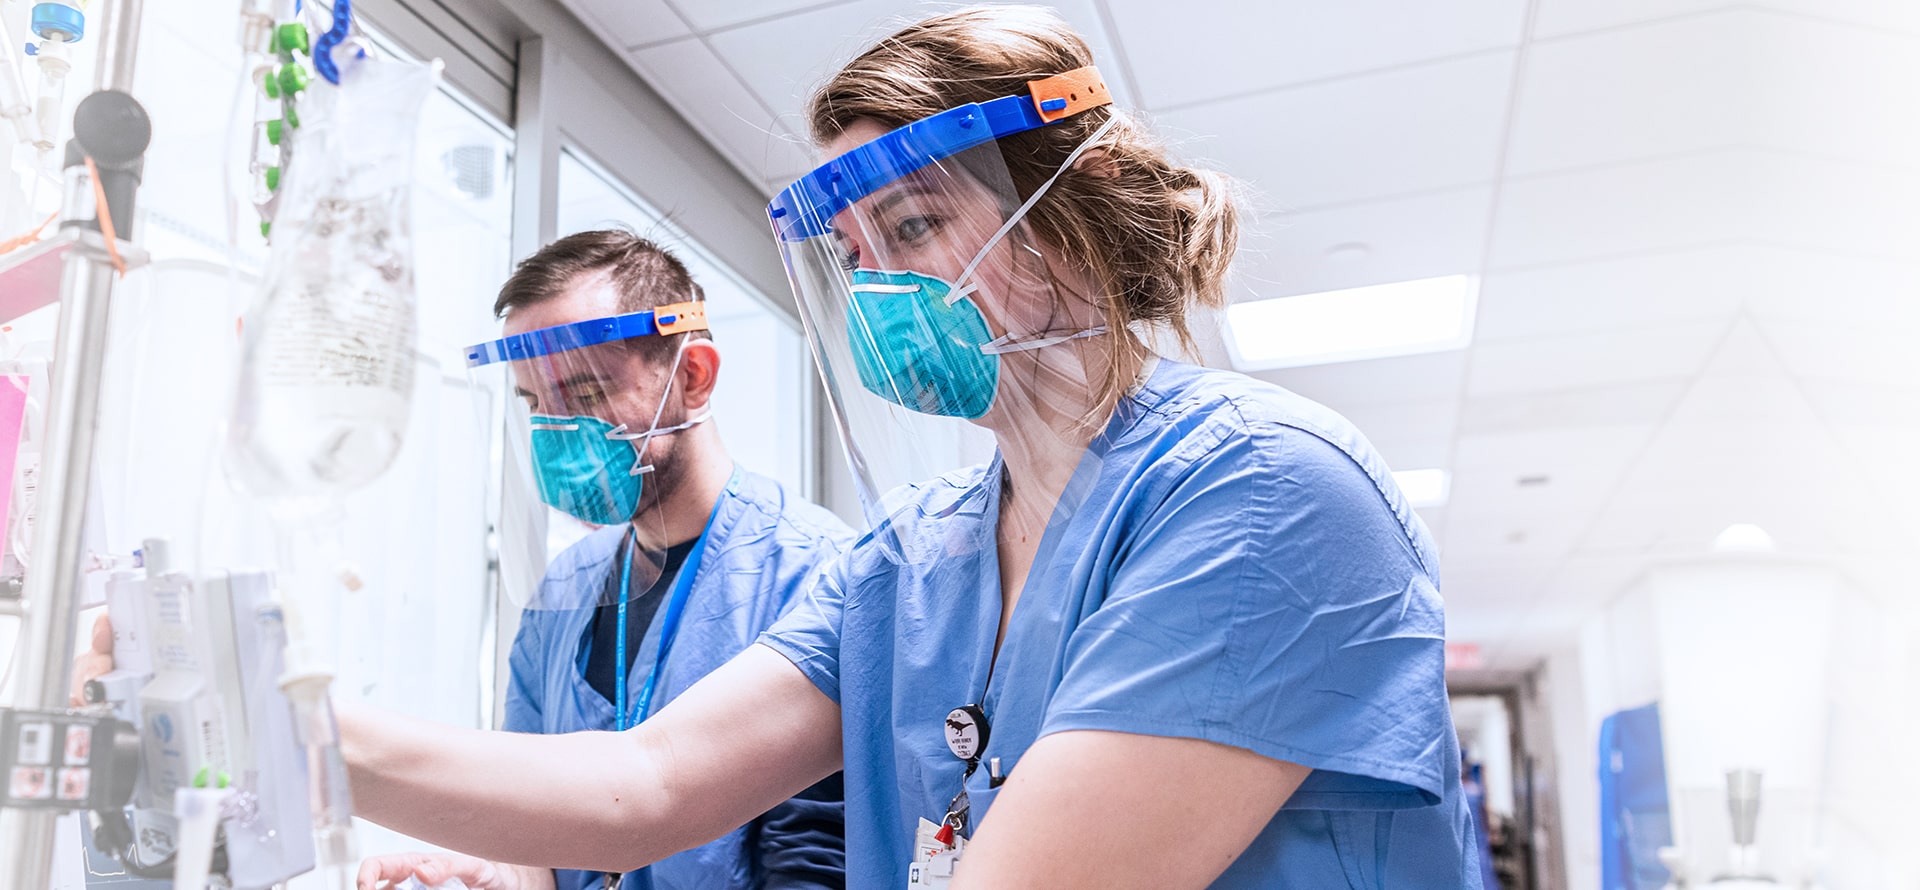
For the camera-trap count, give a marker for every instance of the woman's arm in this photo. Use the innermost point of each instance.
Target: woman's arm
(742, 739)
(1112, 809)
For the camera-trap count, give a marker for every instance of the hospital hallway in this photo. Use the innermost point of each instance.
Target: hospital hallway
(1622, 298)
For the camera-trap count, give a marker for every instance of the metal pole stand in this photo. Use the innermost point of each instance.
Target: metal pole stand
(113, 131)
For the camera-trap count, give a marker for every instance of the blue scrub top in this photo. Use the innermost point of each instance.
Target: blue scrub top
(763, 549)
(1231, 562)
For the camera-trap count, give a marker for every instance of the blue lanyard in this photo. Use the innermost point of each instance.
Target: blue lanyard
(669, 626)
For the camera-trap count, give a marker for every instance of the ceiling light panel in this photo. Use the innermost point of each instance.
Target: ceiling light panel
(1381, 321)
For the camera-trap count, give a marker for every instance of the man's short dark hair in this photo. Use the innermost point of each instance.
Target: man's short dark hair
(644, 273)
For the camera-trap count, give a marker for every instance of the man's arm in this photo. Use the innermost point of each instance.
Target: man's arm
(746, 737)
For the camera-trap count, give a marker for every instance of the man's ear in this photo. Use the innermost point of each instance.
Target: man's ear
(699, 373)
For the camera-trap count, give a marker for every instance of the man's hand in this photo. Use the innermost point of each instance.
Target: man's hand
(97, 662)
(434, 869)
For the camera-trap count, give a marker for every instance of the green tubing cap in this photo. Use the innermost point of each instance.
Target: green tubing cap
(291, 36)
(293, 79)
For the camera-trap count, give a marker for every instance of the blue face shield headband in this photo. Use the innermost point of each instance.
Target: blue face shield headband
(916, 339)
(591, 467)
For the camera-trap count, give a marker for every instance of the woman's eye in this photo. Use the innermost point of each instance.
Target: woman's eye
(914, 228)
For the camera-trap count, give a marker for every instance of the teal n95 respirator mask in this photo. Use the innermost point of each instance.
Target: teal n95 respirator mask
(585, 403)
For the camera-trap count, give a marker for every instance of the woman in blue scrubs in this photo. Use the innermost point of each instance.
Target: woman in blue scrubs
(1118, 621)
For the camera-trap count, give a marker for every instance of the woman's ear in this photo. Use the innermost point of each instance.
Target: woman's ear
(1098, 163)
(699, 373)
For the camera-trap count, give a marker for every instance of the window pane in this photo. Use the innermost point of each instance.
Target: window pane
(413, 543)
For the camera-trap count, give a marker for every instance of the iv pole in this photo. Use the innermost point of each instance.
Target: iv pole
(48, 601)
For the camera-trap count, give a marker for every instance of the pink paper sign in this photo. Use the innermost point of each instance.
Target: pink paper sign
(13, 414)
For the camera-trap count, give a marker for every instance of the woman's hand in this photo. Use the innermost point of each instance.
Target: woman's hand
(434, 869)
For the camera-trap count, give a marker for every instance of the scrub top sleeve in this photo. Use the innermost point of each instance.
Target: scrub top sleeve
(1270, 599)
(527, 674)
(809, 633)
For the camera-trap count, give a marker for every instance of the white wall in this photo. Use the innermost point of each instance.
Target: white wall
(1757, 662)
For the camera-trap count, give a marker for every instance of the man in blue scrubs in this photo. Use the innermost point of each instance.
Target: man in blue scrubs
(711, 555)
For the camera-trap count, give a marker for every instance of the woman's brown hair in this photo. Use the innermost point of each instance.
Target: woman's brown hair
(1157, 235)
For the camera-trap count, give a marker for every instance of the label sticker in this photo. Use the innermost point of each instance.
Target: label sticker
(29, 783)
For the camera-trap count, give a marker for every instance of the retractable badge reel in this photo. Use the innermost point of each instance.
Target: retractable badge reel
(967, 731)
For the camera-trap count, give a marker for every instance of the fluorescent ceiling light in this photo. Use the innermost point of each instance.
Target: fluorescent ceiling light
(1743, 537)
(1405, 318)
(1424, 488)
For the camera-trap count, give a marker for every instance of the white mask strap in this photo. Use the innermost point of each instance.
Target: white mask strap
(962, 286)
(653, 429)
(1006, 343)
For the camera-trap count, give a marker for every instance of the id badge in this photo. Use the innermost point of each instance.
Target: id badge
(933, 862)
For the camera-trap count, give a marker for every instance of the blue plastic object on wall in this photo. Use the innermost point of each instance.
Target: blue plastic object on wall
(1635, 819)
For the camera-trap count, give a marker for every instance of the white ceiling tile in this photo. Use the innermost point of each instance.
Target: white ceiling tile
(1775, 198)
(1640, 291)
(1510, 536)
(1691, 201)
(1408, 435)
(720, 107)
(1602, 406)
(1686, 88)
(1588, 582)
(1415, 378)
(1743, 403)
(1560, 472)
(1853, 405)
(1836, 90)
(1847, 353)
(1562, 17)
(1192, 52)
(710, 15)
(1557, 18)
(625, 23)
(1508, 585)
(1743, 78)
(1415, 129)
(1548, 364)
(785, 59)
(1888, 14)
(1397, 240)
(1853, 209)
(1799, 285)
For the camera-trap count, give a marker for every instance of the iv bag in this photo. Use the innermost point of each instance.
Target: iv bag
(327, 350)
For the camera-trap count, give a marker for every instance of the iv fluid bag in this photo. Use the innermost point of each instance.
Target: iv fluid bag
(327, 347)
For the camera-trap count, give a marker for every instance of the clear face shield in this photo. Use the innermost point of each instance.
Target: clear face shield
(592, 409)
(937, 317)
